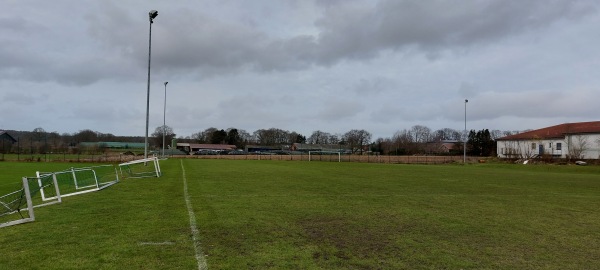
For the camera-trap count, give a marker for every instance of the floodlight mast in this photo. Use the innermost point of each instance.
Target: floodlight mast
(466, 136)
(164, 119)
(151, 15)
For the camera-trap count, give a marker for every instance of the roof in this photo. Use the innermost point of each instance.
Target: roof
(5, 135)
(306, 146)
(556, 132)
(208, 146)
(113, 144)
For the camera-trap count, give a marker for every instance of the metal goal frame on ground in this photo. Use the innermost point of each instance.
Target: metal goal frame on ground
(141, 168)
(48, 188)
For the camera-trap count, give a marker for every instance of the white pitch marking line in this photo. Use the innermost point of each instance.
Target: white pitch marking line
(156, 243)
(193, 226)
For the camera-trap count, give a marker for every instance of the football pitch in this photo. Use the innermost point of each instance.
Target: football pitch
(316, 215)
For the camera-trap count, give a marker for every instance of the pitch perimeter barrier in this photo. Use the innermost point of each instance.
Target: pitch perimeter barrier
(344, 158)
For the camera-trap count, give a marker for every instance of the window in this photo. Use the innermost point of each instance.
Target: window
(532, 146)
(558, 146)
(550, 145)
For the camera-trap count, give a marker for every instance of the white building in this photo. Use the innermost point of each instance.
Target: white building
(570, 140)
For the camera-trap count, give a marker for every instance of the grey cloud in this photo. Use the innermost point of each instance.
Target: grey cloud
(435, 24)
(21, 99)
(412, 112)
(188, 41)
(339, 110)
(39, 52)
(535, 104)
(490, 106)
(361, 31)
(372, 86)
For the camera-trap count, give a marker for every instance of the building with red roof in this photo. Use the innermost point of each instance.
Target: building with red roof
(569, 140)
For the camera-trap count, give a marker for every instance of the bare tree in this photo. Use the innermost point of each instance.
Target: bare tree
(357, 139)
(295, 137)
(422, 133)
(86, 135)
(335, 138)
(529, 149)
(577, 144)
(511, 149)
(319, 137)
(387, 145)
(158, 135)
(496, 134)
(204, 136)
(404, 142)
(446, 134)
(272, 136)
(245, 136)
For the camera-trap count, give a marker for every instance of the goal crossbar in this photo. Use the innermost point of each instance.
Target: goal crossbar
(148, 167)
(75, 181)
(21, 203)
(320, 153)
(48, 188)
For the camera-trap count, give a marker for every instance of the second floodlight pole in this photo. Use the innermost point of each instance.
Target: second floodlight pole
(165, 119)
(466, 135)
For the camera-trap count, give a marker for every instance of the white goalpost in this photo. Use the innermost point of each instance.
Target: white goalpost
(322, 153)
(77, 181)
(49, 188)
(148, 167)
(17, 207)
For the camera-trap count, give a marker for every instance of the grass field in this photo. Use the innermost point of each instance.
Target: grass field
(318, 215)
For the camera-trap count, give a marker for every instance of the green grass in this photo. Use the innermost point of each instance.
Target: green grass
(319, 215)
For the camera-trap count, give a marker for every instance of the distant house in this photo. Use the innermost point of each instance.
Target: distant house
(442, 147)
(4, 136)
(6, 141)
(570, 140)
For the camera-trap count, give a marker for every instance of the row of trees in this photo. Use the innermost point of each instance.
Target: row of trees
(416, 140)
(39, 141)
(354, 139)
(422, 140)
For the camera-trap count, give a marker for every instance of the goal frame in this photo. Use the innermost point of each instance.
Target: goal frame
(153, 160)
(36, 181)
(80, 188)
(327, 152)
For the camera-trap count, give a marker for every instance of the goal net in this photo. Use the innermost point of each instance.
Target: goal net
(49, 188)
(75, 181)
(148, 167)
(17, 207)
(319, 155)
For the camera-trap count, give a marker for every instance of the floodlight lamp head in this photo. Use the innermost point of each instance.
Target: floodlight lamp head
(466, 101)
(152, 14)
(166, 83)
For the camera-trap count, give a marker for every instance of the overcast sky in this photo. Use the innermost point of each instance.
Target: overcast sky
(298, 65)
